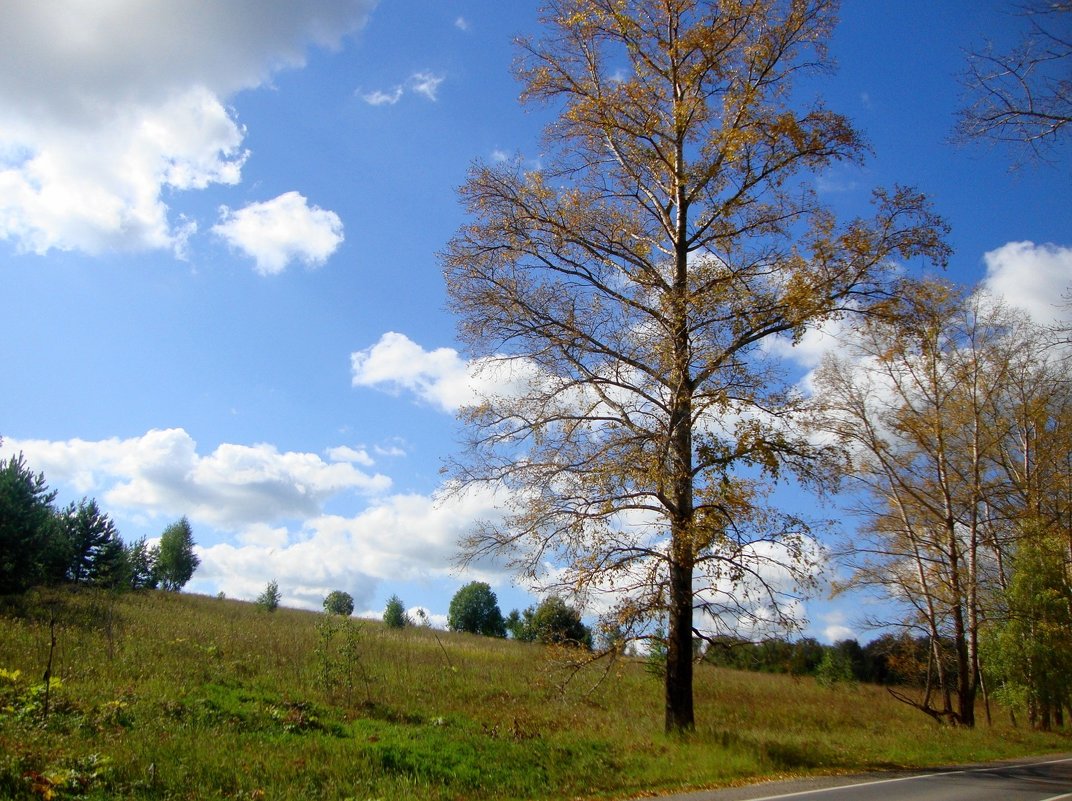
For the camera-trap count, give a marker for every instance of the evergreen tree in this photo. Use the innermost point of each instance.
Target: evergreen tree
(141, 564)
(31, 547)
(176, 560)
(96, 554)
(269, 599)
(394, 614)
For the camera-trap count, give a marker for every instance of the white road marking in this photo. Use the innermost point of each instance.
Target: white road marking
(1063, 797)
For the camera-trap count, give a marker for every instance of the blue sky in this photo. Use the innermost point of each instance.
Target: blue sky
(218, 268)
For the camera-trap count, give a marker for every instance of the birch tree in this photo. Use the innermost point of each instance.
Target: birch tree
(955, 416)
(628, 285)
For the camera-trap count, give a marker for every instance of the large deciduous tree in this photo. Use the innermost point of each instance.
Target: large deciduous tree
(628, 285)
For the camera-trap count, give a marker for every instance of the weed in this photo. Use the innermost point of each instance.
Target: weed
(339, 661)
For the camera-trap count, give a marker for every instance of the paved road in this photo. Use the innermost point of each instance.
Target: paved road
(1041, 779)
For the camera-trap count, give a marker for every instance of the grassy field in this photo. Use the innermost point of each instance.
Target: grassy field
(168, 696)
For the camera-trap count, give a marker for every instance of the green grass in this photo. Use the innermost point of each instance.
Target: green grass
(165, 696)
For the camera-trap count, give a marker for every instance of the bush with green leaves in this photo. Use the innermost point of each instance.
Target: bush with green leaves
(394, 614)
(552, 622)
(339, 603)
(475, 609)
(269, 599)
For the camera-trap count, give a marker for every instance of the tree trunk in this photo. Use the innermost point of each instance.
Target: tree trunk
(679, 710)
(965, 672)
(679, 654)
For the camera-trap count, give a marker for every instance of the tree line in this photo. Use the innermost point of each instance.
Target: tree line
(890, 659)
(42, 544)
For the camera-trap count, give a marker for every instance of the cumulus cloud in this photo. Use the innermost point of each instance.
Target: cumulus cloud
(835, 627)
(395, 363)
(280, 231)
(1035, 278)
(403, 537)
(161, 473)
(812, 347)
(345, 453)
(105, 107)
(440, 377)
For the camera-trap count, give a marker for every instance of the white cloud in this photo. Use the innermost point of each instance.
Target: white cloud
(381, 98)
(344, 453)
(400, 537)
(812, 347)
(106, 106)
(1035, 278)
(395, 363)
(835, 627)
(161, 474)
(461, 23)
(282, 230)
(426, 84)
(440, 377)
(837, 633)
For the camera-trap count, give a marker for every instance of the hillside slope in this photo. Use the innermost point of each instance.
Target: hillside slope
(171, 696)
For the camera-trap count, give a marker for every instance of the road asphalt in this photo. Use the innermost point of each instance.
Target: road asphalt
(1045, 778)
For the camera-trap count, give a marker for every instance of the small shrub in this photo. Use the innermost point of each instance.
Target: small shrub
(394, 614)
(835, 669)
(269, 599)
(339, 662)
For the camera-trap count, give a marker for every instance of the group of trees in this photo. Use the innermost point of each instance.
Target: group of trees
(955, 415)
(475, 609)
(41, 544)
